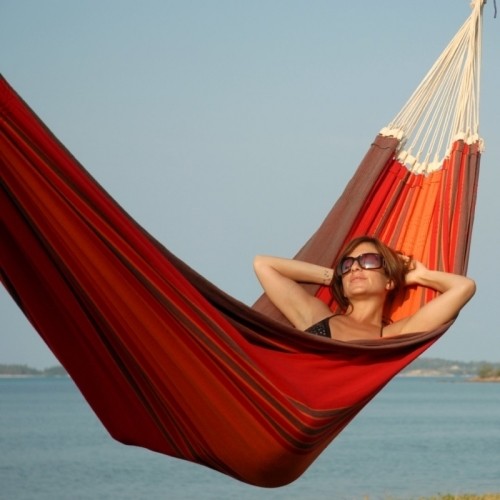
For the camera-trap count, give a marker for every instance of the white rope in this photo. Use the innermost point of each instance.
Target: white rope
(445, 106)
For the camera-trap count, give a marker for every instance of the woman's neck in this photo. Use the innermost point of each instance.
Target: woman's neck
(368, 313)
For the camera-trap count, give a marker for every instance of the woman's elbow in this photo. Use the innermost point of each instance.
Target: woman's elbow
(470, 288)
(467, 289)
(257, 261)
(260, 264)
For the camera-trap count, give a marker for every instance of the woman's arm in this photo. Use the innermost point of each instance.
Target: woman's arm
(455, 291)
(280, 280)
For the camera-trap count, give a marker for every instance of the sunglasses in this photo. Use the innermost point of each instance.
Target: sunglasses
(365, 261)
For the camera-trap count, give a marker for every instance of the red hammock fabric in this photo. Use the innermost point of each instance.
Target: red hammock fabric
(169, 362)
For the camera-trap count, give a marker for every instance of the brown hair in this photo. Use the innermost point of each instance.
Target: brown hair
(394, 266)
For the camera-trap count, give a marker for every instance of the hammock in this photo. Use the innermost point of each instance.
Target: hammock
(171, 363)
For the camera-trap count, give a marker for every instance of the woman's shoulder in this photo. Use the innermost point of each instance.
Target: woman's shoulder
(395, 328)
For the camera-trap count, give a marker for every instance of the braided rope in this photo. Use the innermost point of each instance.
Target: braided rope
(445, 106)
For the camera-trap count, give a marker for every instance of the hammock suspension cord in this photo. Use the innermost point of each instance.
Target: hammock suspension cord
(445, 106)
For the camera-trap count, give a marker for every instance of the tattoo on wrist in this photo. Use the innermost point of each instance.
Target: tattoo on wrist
(326, 276)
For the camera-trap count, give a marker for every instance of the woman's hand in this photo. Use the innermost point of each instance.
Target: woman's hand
(416, 271)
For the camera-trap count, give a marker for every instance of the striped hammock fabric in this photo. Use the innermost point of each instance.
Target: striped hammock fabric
(171, 363)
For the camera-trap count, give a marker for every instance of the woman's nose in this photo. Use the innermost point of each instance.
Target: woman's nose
(355, 266)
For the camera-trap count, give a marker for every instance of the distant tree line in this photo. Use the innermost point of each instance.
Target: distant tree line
(488, 370)
(442, 366)
(460, 368)
(25, 370)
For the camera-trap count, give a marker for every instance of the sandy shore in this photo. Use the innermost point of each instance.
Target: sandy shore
(466, 496)
(485, 379)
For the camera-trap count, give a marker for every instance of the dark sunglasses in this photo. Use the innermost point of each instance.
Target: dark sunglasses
(365, 261)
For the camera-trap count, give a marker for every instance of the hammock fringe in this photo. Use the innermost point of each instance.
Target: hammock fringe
(445, 106)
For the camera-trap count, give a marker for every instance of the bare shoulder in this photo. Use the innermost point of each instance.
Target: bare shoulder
(395, 329)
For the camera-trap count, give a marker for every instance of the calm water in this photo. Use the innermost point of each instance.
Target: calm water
(418, 437)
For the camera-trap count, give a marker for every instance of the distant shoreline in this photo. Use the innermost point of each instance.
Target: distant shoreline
(472, 371)
(13, 375)
(411, 374)
(25, 371)
(438, 374)
(485, 379)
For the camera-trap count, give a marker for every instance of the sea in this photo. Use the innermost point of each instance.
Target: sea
(418, 437)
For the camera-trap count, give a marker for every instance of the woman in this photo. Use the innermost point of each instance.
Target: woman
(367, 272)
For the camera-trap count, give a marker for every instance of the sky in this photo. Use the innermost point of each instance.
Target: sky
(228, 128)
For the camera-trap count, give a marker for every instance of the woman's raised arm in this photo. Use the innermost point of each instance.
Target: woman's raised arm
(455, 291)
(280, 280)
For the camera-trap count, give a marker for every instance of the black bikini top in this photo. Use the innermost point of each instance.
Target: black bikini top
(322, 328)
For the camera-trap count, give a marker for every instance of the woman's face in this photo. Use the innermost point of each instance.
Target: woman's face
(359, 282)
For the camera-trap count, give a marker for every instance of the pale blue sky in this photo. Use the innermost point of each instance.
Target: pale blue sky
(229, 128)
